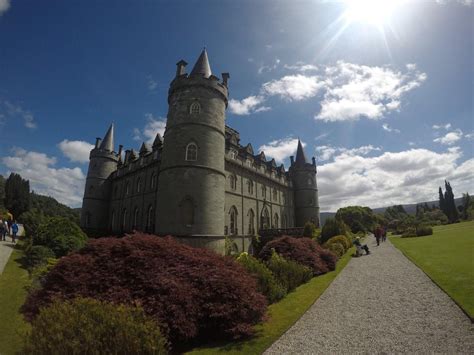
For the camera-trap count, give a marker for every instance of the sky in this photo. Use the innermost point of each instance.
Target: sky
(382, 96)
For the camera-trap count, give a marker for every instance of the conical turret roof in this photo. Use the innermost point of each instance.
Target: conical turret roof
(202, 66)
(300, 156)
(108, 141)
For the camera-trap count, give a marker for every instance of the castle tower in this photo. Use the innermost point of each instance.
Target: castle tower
(95, 205)
(303, 175)
(191, 185)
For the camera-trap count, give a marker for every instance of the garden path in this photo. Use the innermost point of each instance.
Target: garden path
(6, 248)
(380, 303)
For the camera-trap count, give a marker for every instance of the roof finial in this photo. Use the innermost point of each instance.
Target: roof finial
(108, 141)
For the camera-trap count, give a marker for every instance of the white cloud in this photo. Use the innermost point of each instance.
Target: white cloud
(469, 135)
(445, 126)
(76, 151)
(326, 152)
(293, 87)
(13, 110)
(64, 184)
(153, 126)
(269, 68)
(301, 67)
(462, 2)
(387, 128)
(4, 6)
(354, 91)
(391, 178)
(152, 84)
(281, 149)
(248, 105)
(450, 138)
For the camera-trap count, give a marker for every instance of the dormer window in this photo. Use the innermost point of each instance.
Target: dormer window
(191, 152)
(195, 108)
(233, 154)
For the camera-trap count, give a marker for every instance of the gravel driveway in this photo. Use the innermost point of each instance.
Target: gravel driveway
(380, 303)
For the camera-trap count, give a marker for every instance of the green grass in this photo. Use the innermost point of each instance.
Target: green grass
(282, 315)
(447, 257)
(13, 282)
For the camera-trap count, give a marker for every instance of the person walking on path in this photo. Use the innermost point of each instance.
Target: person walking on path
(378, 234)
(3, 231)
(14, 232)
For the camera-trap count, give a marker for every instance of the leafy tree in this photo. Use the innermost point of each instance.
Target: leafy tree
(357, 218)
(17, 194)
(60, 235)
(309, 229)
(442, 205)
(331, 228)
(2, 190)
(52, 208)
(466, 205)
(450, 206)
(395, 212)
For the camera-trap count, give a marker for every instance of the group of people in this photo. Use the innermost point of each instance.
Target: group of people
(8, 228)
(380, 234)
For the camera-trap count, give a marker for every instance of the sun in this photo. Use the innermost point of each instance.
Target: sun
(373, 12)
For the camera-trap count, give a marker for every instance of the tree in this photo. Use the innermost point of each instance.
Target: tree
(450, 206)
(442, 204)
(17, 194)
(466, 204)
(2, 191)
(357, 218)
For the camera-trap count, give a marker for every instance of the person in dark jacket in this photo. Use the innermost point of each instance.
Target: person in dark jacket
(3, 230)
(14, 232)
(361, 246)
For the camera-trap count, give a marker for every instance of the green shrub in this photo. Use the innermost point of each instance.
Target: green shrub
(341, 239)
(309, 229)
(266, 282)
(336, 247)
(316, 234)
(60, 235)
(86, 326)
(39, 272)
(37, 255)
(424, 230)
(331, 228)
(288, 273)
(409, 234)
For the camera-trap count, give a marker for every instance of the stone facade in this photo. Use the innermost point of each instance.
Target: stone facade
(198, 183)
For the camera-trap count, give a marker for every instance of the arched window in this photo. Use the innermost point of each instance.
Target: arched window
(251, 216)
(124, 219)
(283, 222)
(191, 152)
(275, 221)
(250, 186)
(195, 108)
(127, 188)
(233, 181)
(139, 185)
(275, 195)
(264, 219)
(149, 219)
(112, 220)
(153, 181)
(233, 220)
(135, 218)
(88, 219)
(264, 191)
(310, 182)
(187, 212)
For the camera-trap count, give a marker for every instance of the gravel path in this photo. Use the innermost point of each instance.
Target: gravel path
(5, 251)
(380, 303)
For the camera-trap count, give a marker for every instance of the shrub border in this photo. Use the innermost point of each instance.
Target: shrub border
(282, 315)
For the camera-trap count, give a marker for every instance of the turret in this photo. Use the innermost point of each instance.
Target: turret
(192, 178)
(102, 163)
(303, 175)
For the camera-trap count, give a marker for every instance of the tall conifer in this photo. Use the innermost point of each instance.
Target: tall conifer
(17, 194)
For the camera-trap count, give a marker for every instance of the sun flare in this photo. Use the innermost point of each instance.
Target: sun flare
(374, 12)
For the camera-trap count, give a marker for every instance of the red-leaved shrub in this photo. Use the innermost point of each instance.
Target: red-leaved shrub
(302, 250)
(194, 294)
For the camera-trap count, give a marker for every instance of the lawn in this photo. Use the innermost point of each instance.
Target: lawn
(282, 315)
(13, 281)
(447, 257)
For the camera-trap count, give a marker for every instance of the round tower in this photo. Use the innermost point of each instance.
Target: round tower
(95, 204)
(191, 186)
(303, 175)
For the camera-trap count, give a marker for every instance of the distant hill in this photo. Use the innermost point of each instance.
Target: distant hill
(409, 208)
(50, 207)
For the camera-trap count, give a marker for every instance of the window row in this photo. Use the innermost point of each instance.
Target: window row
(138, 186)
(250, 187)
(132, 221)
(265, 221)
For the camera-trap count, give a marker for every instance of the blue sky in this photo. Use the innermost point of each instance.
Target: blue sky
(386, 107)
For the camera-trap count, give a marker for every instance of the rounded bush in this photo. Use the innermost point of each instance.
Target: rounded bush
(37, 255)
(289, 274)
(266, 282)
(60, 235)
(301, 250)
(331, 228)
(328, 257)
(424, 230)
(336, 248)
(86, 326)
(341, 239)
(192, 293)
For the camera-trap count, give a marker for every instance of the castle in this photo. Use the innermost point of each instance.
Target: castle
(198, 182)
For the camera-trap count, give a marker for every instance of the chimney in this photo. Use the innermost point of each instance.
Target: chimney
(181, 68)
(292, 159)
(225, 78)
(97, 142)
(314, 161)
